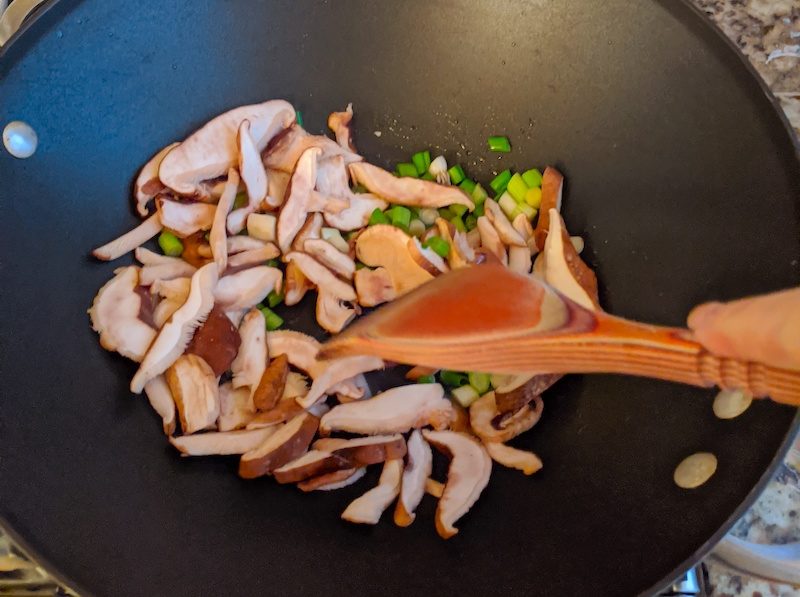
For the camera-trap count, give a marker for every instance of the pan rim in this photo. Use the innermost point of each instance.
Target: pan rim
(6, 526)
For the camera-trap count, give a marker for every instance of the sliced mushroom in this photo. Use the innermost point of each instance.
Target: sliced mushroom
(332, 180)
(240, 244)
(185, 218)
(221, 442)
(396, 410)
(130, 240)
(490, 240)
(520, 390)
(333, 314)
(309, 230)
(407, 191)
(467, 476)
(278, 181)
(296, 206)
(364, 451)
(285, 150)
(552, 192)
(270, 387)
(527, 462)
(460, 420)
(218, 238)
(287, 443)
(253, 257)
(321, 276)
(460, 255)
(247, 288)
(160, 398)
(115, 316)
(522, 225)
(310, 464)
(483, 418)
(251, 360)
(177, 269)
(217, 341)
(148, 184)
(374, 286)
(520, 259)
(176, 333)
(330, 257)
(504, 229)
(334, 480)
(194, 388)
(564, 269)
(236, 408)
(296, 385)
(254, 177)
(427, 259)
(419, 371)
(368, 508)
(345, 390)
(335, 372)
(296, 285)
(388, 247)
(209, 152)
(339, 123)
(434, 488)
(419, 463)
(173, 294)
(286, 410)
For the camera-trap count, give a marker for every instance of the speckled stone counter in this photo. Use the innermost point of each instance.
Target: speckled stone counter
(768, 33)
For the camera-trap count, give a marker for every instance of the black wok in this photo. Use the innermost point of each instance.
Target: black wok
(681, 176)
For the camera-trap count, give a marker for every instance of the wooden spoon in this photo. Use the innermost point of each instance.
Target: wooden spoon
(488, 318)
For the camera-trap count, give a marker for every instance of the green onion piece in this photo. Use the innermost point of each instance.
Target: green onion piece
(274, 299)
(446, 213)
(438, 245)
(479, 381)
(428, 216)
(524, 208)
(467, 185)
(458, 223)
(465, 395)
(458, 209)
(534, 197)
(507, 204)
(532, 178)
(407, 169)
(416, 228)
(240, 201)
(517, 188)
(401, 216)
(273, 263)
(480, 209)
(170, 244)
(471, 221)
(378, 217)
(426, 379)
(422, 161)
(299, 117)
(499, 143)
(274, 321)
(479, 195)
(360, 265)
(500, 182)
(454, 379)
(428, 176)
(456, 174)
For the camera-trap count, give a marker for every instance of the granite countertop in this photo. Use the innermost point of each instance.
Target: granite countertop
(768, 33)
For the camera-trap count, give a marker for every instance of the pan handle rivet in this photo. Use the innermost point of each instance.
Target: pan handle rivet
(20, 139)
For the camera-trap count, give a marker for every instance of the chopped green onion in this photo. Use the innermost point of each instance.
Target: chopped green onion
(426, 379)
(401, 216)
(422, 161)
(274, 321)
(274, 299)
(465, 395)
(334, 237)
(532, 178)
(428, 176)
(467, 185)
(453, 379)
(416, 228)
(240, 201)
(524, 208)
(479, 195)
(407, 169)
(458, 209)
(456, 174)
(273, 263)
(299, 117)
(500, 182)
(438, 245)
(170, 244)
(534, 197)
(499, 143)
(428, 215)
(446, 213)
(471, 221)
(479, 381)
(359, 188)
(458, 223)
(517, 187)
(360, 265)
(480, 209)
(378, 217)
(507, 204)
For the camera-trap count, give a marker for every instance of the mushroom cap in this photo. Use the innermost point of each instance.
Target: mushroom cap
(419, 464)
(298, 198)
(247, 288)
(148, 184)
(334, 480)
(374, 286)
(185, 218)
(221, 442)
(333, 314)
(492, 426)
(564, 269)
(286, 149)
(251, 360)
(331, 257)
(194, 388)
(552, 193)
(388, 247)
(321, 276)
(236, 408)
(287, 443)
(368, 508)
(336, 372)
(527, 462)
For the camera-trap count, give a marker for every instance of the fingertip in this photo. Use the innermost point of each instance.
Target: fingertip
(702, 315)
